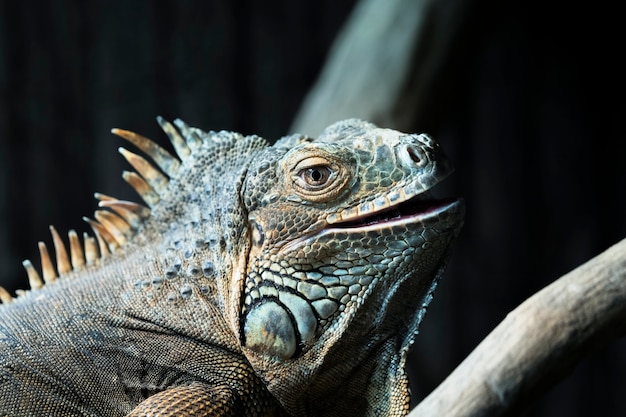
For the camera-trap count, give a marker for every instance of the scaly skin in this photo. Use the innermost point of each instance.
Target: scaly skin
(282, 280)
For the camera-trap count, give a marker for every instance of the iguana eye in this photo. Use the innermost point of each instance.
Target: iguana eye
(316, 176)
(318, 179)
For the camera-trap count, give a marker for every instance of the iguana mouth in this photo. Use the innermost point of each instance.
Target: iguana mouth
(394, 208)
(413, 209)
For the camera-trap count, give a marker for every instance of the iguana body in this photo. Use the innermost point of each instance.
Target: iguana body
(282, 280)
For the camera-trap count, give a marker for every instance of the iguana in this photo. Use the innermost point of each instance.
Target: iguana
(258, 281)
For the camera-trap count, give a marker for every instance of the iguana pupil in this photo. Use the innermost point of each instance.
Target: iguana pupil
(317, 175)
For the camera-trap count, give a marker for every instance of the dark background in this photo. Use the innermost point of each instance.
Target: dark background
(528, 101)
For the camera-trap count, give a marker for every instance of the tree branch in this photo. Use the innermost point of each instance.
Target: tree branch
(382, 64)
(538, 342)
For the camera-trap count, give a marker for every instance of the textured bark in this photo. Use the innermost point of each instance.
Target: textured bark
(538, 342)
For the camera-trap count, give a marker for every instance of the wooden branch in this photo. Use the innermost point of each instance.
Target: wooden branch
(369, 65)
(538, 342)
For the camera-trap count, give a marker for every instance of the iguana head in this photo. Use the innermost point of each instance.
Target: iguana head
(347, 244)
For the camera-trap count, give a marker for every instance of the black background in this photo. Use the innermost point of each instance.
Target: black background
(528, 102)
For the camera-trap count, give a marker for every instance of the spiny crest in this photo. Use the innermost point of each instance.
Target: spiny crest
(118, 220)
